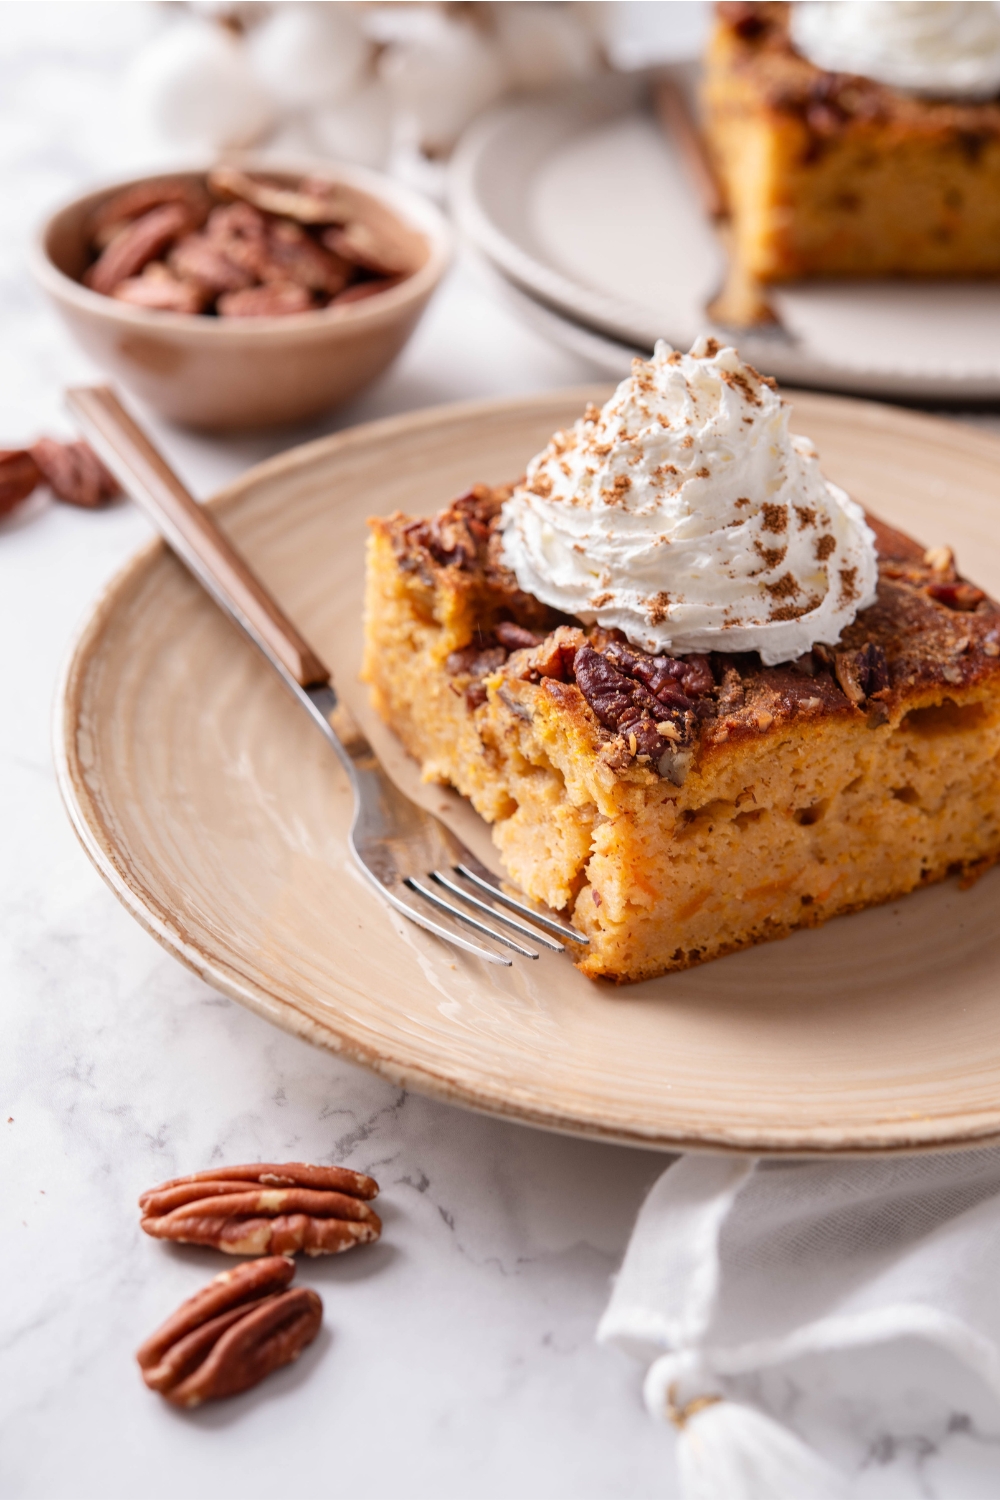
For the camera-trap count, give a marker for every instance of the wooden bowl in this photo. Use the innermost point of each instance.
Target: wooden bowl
(228, 373)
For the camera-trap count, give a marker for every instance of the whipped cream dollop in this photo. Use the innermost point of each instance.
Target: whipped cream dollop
(946, 48)
(685, 515)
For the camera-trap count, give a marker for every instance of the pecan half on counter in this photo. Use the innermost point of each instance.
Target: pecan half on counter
(265, 1209)
(19, 475)
(231, 1334)
(72, 471)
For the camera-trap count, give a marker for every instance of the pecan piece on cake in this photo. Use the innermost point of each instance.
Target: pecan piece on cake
(233, 1333)
(265, 1209)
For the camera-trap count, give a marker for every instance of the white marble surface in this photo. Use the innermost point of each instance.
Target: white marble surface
(458, 1355)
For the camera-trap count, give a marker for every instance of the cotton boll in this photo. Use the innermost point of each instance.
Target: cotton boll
(544, 44)
(310, 56)
(597, 18)
(194, 87)
(292, 137)
(359, 129)
(440, 77)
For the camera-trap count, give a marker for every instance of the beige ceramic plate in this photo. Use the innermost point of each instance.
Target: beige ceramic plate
(218, 816)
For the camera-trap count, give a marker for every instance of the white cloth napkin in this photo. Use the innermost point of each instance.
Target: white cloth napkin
(737, 1265)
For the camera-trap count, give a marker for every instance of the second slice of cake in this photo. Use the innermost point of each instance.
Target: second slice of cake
(829, 170)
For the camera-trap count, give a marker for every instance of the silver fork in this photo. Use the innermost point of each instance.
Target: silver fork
(407, 854)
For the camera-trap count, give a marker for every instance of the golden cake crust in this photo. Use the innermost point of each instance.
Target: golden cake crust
(756, 40)
(936, 631)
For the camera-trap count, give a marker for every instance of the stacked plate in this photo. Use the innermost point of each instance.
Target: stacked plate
(585, 222)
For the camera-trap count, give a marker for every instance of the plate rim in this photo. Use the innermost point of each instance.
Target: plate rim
(607, 314)
(900, 1137)
(599, 349)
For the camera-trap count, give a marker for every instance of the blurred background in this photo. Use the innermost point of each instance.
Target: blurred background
(93, 92)
(390, 86)
(583, 232)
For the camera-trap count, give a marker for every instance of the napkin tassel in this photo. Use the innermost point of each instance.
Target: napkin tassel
(729, 1451)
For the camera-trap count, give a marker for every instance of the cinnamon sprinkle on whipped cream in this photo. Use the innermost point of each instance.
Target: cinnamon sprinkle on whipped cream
(685, 515)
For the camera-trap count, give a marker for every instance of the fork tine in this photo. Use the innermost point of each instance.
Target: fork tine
(550, 924)
(442, 932)
(463, 916)
(499, 916)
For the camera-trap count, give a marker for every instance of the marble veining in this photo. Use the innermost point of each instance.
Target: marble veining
(458, 1355)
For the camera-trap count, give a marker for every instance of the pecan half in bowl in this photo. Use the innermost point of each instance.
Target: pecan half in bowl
(229, 299)
(265, 1209)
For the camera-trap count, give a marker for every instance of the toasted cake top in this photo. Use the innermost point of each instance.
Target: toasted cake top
(829, 102)
(930, 634)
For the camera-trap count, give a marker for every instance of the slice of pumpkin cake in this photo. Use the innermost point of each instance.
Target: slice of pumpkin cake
(701, 698)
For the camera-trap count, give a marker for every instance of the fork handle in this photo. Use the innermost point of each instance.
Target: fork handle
(192, 533)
